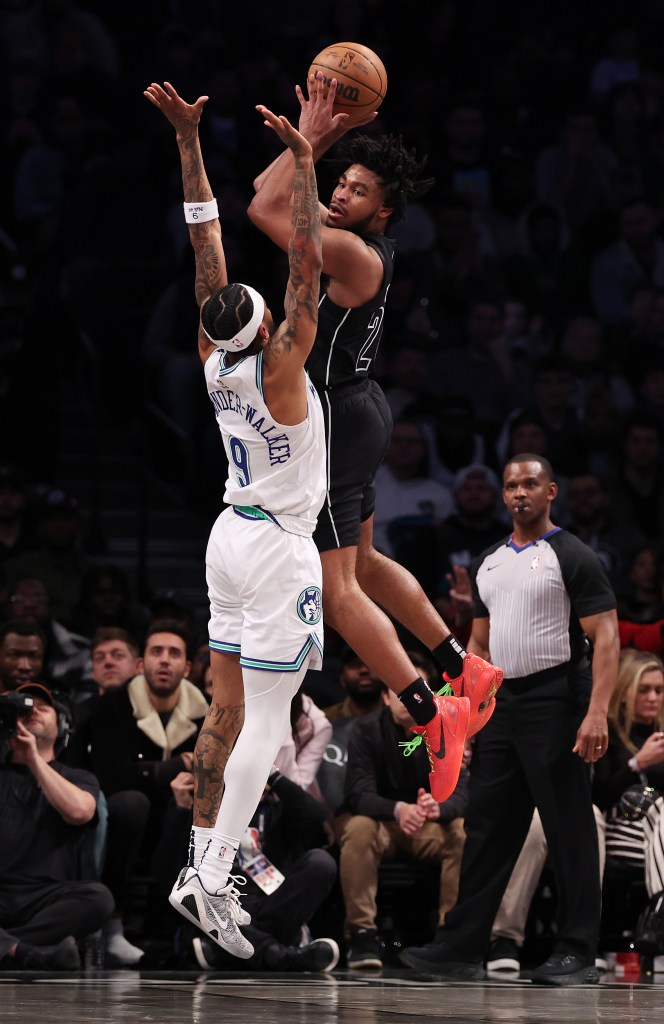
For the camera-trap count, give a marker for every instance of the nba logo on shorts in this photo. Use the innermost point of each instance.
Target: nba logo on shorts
(309, 605)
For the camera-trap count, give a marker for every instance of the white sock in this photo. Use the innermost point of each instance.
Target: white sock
(217, 861)
(199, 838)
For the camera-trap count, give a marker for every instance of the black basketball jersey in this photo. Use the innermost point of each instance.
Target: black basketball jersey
(347, 340)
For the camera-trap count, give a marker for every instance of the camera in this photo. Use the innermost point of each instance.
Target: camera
(12, 707)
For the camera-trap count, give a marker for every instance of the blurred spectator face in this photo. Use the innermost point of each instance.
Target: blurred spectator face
(601, 420)
(21, 660)
(641, 306)
(586, 499)
(638, 225)
(475, 496)
(68, 123)
(515, 318)
(649, 697)
(113, 663)
(30, 601)
(164, 663)
(583, 341)
(409, 369)
(455, 228)
(358, 681)
(581, 133)
(407, 450)
(484, 324)
(465, 126)
(529, 437)
(642, 447)
(107, 597)
(398, 710)
(544, 232)
(554, 388)
(644, 569)
(12, 500)
(59, 526)
(652, 389)
(199, 663)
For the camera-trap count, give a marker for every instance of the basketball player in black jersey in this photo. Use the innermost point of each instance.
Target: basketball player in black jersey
(377, 178)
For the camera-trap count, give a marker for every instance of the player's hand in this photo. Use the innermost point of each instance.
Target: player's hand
(183, 116)
(318, 122)
(182, 787)
(592, 737)
(289, 135)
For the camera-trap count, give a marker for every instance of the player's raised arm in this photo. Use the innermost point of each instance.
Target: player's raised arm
(293, 340)
(199, 204)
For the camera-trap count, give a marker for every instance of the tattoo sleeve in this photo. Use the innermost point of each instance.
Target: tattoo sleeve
(304, 252)
(206, 237)
(213, 748)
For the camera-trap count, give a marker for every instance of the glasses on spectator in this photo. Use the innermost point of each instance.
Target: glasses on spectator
(28, 598)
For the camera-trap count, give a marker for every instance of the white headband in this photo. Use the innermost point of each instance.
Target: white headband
(246, 334)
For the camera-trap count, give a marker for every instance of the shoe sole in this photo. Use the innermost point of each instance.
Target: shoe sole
(479, 716)
(504, 963)
(586, 976)
(358, 965)
(334, 949)
(187, 905)
(450, 969)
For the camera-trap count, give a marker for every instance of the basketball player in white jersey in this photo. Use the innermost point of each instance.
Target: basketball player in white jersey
(263, 568)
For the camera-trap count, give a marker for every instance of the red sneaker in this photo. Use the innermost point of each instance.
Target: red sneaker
(445, 737)
(479, 681)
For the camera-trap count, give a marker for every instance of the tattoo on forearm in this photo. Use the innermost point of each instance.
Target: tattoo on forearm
(213, 748)
(194, 179)
(207, 267)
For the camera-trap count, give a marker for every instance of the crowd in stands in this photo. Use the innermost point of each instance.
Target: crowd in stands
(526, 315)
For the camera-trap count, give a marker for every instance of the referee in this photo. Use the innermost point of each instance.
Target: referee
(540, 594)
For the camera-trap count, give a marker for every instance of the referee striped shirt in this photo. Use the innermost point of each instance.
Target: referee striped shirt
(535, 596)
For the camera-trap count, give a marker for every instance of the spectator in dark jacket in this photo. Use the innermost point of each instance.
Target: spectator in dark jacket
(389, 814)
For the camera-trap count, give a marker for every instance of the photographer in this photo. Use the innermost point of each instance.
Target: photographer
(46, 810)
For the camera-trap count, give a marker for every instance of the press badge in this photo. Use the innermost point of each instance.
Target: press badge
(262, 872)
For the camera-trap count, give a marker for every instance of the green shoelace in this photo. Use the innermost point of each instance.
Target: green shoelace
(410, 746)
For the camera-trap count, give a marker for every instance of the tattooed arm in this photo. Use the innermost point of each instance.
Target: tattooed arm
(205, 237)
(292, 342)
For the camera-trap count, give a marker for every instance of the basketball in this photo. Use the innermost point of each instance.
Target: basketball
(360, 74)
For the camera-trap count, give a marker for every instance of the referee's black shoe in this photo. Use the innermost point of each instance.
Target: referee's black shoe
(564, 969)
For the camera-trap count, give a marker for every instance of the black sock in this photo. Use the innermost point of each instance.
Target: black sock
(418, 701)
(450, 655)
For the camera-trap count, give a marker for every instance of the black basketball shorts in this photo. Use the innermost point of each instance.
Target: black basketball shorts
(358, 428)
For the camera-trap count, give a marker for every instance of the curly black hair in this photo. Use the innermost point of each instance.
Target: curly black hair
(398, 169)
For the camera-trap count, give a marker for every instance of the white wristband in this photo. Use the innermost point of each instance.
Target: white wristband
(633, 764)
(198, 213)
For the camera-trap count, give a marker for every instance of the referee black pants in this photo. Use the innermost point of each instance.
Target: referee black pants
(523, 759)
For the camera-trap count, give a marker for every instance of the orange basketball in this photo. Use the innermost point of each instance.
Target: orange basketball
(360, 74)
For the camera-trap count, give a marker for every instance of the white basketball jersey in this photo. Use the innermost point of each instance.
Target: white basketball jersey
(275, 467)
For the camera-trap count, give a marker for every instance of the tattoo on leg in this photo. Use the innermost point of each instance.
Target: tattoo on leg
(215, 743)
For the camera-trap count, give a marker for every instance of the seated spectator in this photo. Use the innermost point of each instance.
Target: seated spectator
(115, 662)
(16, 534)
(640, 592)
(475, 523)
(636, 487)
(106, 601)
(388, 814)
(67, 654)
(21, 654)
(302, 751)
(404, 488)
(142, 736)
(634, 260)
(286, 872)
(46, 810)
(454, 440)
(634, 760)
(589, 517)
(363, 695)
(58, 559)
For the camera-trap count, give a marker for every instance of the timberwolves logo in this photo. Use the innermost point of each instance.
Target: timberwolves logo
(309, 605)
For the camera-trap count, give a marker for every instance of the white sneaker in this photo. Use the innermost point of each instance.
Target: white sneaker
(119, 951)
(217, 914)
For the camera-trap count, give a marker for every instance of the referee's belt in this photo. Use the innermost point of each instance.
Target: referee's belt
(569, 669)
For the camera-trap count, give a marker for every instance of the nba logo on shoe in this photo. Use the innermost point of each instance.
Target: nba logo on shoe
(309, 605)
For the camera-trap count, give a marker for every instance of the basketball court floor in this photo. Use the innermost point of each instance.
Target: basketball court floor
(396, 996)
